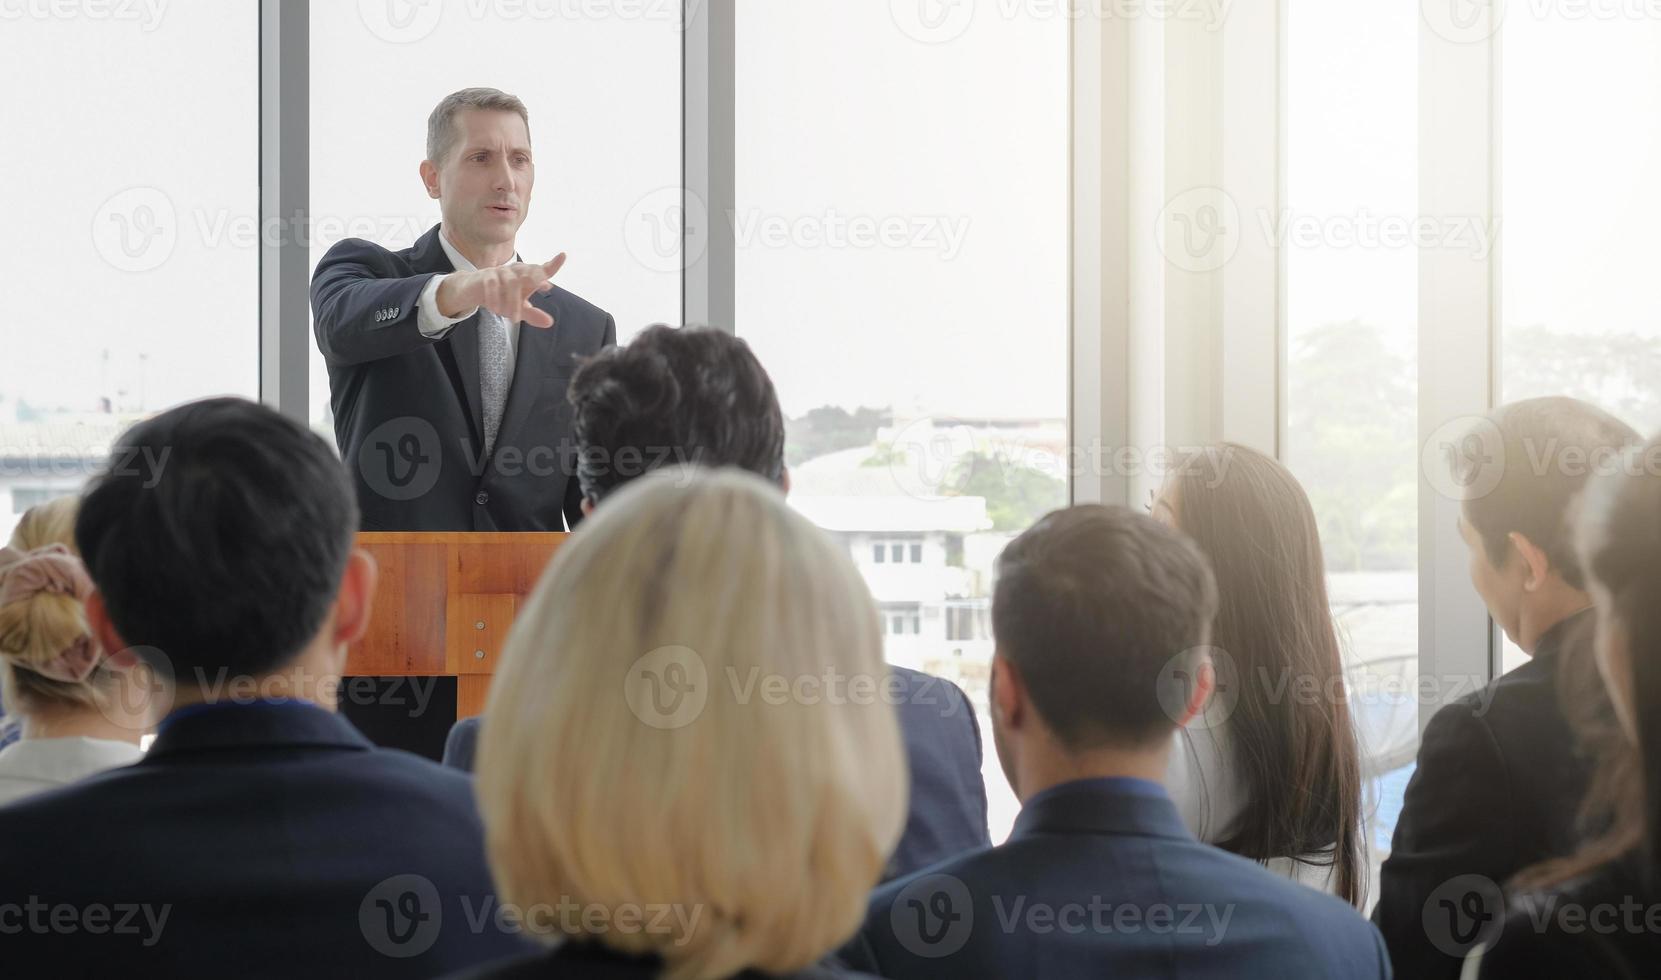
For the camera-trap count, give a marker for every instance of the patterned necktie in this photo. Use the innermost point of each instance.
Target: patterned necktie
(493, 373)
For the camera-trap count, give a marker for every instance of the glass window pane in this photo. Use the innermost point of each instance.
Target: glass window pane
(1581, 203)
(603, 188)
(136, 284)
(1352, 383)
(902, 270)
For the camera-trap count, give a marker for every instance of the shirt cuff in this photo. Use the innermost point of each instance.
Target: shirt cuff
(432, 323)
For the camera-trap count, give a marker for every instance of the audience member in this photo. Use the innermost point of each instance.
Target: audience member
(669, 760)
(1501, 772)
(1268, 776)
(699, 396)
(1595, 913)
(1101, 620)
(261, 835)
(76, 713)
(43, 524)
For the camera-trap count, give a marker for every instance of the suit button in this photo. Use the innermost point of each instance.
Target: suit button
(482, 499)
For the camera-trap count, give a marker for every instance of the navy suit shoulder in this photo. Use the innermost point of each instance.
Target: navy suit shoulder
(461, 744)
(272, 843)
(1109, 887)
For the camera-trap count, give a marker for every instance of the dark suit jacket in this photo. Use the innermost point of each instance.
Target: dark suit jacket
(1495, 791)
(1101, 879)
(407, 412)
(575, 961)
(942, 741)
(276, 841)
(1603, 924)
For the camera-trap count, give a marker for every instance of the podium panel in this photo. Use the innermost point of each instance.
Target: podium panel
(444, 602)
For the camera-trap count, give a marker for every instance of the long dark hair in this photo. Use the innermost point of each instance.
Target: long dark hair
(1298, 758)
(1620, 550)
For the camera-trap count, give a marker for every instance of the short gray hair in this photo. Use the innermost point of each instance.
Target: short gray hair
(441, 125)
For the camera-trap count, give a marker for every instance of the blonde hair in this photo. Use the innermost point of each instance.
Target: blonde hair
(762, 821)
(36, 630)
(50, 523)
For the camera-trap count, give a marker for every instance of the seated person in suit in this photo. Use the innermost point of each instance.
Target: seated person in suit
(1501, 773)
(668, 767)
(50, 523)
(1595, 913)
(1101, 619)
(1268, 777)
(698, 395)
(77, 713)
(261, 835)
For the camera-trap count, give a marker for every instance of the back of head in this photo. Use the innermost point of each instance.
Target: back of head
(49, 659)
(1297, 758)
(688, 717)
(1097, 607)
(695, 395)
(1524, 466)
(218, 537)
(45, 524)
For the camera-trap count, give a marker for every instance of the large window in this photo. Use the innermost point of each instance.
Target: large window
(603, 86)
(1352, 351)
(902, 232)
(131, 195)
(1580, 201)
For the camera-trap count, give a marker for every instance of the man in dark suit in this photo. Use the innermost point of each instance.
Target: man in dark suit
(261, 835)
(448, 361)
(1502, 772)
(699, 396)
(1101, 618)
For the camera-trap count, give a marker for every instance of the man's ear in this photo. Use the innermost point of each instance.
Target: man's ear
(1536, 565)
(357, 593)
(103, 630)
(588, 506)
(1008, 693)
(1205, 682)
(429, 178)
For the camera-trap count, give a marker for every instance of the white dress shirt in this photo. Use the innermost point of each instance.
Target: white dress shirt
(434, 324)
(33, 765)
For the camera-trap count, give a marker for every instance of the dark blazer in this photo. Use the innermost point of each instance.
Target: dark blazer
(275, 840)
(1101, 879)
(1495, 791)
(575, 961)
(407, 411)
(943, 750)
(1603, 924)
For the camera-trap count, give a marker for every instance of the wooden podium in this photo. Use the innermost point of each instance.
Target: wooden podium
(443, 604)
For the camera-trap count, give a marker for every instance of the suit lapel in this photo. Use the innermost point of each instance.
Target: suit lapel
(533, 365)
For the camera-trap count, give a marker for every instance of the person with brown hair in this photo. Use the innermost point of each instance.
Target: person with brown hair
(77, 713)
(1269, 776)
